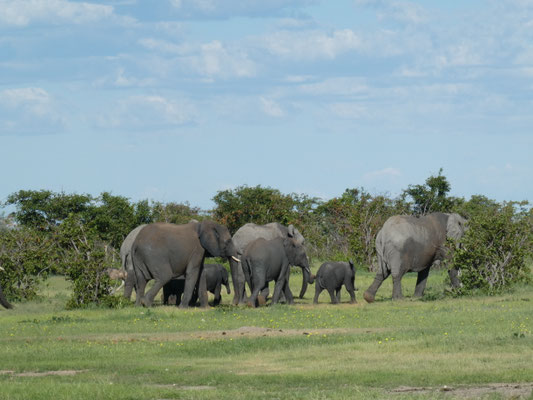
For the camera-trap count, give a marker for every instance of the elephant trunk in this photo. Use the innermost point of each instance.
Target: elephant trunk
(307, 278)
(237, 276)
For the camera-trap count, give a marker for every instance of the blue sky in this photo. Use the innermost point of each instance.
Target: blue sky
(174, 100)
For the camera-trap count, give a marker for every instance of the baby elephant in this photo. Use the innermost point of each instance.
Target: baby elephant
(331, 276)
(215, 275)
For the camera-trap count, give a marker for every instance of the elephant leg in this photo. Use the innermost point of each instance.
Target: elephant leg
(397, 287)
(332, 295)
(258, 284)
(194, 277)
(148, 299)
(421, 282)
(454, 274)
(351, 291)
(318, 289)
(288, 294)
(218, 297)
(280, 283)
(129, 284)
(370, 293)
(141, 286)
(338, 293)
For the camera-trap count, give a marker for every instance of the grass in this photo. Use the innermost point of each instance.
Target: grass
(286, 352)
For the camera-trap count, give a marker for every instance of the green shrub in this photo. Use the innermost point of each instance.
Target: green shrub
(27, 257)
(494, 249)
(84, 259)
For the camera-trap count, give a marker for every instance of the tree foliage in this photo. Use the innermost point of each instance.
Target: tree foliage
(84, 259)
(236, 207)
(27, 256)
(432, 196)
(494, 250)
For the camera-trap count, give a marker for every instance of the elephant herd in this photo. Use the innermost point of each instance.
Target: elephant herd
(173, 257)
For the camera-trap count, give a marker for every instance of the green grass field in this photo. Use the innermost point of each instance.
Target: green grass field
(437, 347)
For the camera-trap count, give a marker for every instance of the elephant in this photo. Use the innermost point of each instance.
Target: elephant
(331, 276)
(127, 263)
(409, 243)
(266, 260)
(163, 251)
(3, 299)
(216, 275)
(250, 232)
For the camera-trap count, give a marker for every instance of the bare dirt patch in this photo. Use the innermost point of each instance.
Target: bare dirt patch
(242, 332)
(43, 373)
(507, 390)
(180, 387)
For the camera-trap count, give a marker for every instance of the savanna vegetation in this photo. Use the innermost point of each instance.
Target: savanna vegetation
(69, 336)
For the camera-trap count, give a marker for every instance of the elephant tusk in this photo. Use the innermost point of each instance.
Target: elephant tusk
(117, 289)
(236, 259)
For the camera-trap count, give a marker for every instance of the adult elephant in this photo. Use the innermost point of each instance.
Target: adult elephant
(269, 260)
(3, 299)
(163, 251)
(408, 243)
(250, 232)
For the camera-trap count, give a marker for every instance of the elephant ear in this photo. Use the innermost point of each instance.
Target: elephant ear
(210, 238)
(290, 230)
(455, 227)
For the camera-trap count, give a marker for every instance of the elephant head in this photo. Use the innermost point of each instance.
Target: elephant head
(296, 254)
(216, 240)
(455, 227)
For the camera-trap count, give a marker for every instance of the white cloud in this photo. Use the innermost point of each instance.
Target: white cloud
(348, 110)
(121, 79)
(216, 60)
(163, 46)
(343, 86)
(28, 111)
(24, 12)
(383, 173)
(404, 11)
(270, 107)
(311, 45)
(145, 112)
(227, 9)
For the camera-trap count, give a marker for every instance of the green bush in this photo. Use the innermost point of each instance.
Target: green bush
(27, 257)
(84, 259)
(494, 249)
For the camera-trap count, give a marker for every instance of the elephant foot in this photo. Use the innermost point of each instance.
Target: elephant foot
(261, 300)
(146, 303)
(250, 304)
(369, 297)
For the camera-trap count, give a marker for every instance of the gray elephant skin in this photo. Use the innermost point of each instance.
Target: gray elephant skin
(250, 232)
(163, 251)
(216, 275)
(127, 262)
(270, 260)
(408, 243)
(331, 276)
